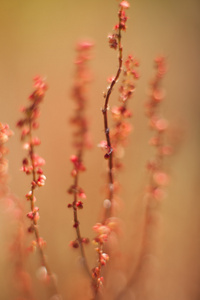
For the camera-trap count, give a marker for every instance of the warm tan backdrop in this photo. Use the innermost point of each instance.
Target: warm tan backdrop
(38, 37)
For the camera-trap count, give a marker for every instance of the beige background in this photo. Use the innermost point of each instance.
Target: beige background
(38, 37)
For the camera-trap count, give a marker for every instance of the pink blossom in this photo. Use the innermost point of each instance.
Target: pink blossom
(161, 124)
(112, 41)
(161, 178)
(36, 141)
(38, 160)
(103, 144)
(125, 4)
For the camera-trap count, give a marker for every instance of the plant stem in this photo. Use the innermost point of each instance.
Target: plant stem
(106, 127)
(35, 225)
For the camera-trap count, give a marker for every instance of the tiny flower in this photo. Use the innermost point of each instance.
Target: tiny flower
(38, 160)
(106, 156)
(24, 133)
(161, 124)
(112, 41)
(36, 209)
(40, 84)
(85, 240)
(39, 171)
(116, 27)
(74, 244)
(158, 193)
(85, 45)
(100, 280)
(41, 242)
(158, 95)
(110, 79)
(75, 224)
(27, 170)
(95, 272)
(74, 173)
(30, 215)
(36, 216)
(81, 167)
(31, 229)
(107, 203)
(26, 146)
(103, 144)
(166, 150)
(82, 195)
(29, 195)
(35, 125)
(32, 247)
(161, 178)
(33, 184)
(154, 141)
(104, 258)
(125, 4)
(41, 180)
(36, 141)
(20, 123)
(35, 113)
(127, 113)
(135, 74)
(79, 204)
(24, 168)
(151, 165)
(101, 229)
(74, 159)
(25, 161)
(116, 113)
(71, 190)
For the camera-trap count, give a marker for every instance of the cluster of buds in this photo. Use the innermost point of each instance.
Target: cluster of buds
(156, 92)
(130, 74)
(78, 204)
(40, 243)
(75, 244)
(103, 231)
(82, 78)
(113, 38)
(122, 128)
(159, 125)
(34, 214)
(78, 165)
(32, 164)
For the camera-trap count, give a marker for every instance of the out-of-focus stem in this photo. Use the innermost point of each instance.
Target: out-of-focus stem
(76, 221)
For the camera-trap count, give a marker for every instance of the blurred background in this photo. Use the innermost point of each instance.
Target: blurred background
(39, 37)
